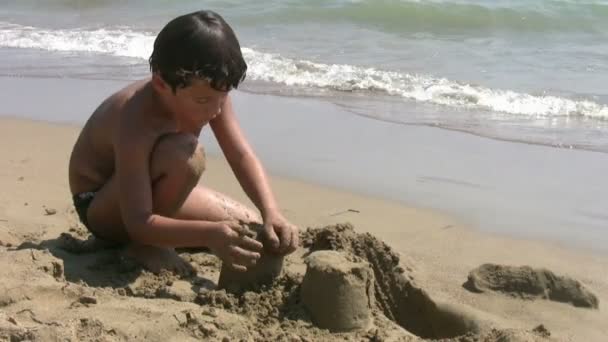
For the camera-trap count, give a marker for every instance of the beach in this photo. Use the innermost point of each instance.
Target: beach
(448, 157)
(440, 249)
(499, 187)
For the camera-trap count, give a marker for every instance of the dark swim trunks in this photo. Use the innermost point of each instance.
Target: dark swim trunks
(82, 201)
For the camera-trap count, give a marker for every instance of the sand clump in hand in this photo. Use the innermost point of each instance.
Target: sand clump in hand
(266, 269)
(529, 283)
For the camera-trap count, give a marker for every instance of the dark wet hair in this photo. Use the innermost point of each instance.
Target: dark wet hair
(198, 45)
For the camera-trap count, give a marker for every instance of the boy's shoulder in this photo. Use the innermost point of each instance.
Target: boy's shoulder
(139, 111)
(118, 102)
(129, 111)
(134, 102)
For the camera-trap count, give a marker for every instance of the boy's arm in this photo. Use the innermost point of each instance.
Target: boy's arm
(145, 227)
(135, 196)
(253, 179)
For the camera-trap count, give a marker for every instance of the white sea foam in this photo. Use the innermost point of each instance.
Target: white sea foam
(303, 73)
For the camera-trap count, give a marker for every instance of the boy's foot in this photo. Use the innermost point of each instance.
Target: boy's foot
(156, 259)
(73, 245)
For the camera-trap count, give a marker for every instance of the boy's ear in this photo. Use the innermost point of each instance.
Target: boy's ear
(158, 83)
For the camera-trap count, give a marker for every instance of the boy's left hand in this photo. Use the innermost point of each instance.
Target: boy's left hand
(283, 236)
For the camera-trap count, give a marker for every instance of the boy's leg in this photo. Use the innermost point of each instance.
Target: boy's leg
(176, 165)
(209, 205)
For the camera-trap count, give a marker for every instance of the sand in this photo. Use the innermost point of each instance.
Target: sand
(529, 283)
(57, 285)
(338, 291)
(264, 272)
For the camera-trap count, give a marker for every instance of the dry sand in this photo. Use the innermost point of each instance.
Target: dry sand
(53, 288)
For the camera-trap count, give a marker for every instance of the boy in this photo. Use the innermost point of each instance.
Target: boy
(135, 167)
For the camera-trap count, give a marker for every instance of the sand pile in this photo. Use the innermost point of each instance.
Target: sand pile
(529, 283)
(396, 294)
(338, 291)
(75, 289)
(266, 269)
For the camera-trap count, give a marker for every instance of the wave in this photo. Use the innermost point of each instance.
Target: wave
(448, 16)
(441, 91)
(307, 74)
(445, 16)
(117, 42)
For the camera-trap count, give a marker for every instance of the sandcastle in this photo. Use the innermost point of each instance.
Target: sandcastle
(338, 291)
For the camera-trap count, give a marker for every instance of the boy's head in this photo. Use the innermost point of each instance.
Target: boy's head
(198, 45)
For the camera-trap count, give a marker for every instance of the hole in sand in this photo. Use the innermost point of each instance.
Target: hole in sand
(396, 295)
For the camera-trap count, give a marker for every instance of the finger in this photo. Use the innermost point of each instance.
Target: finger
(295, 240)
(285, 233)
(231, 223)
(238, 267)
(251, 244)
(230, 261)
(244, 257)
(232, 234)
(272, 237)
(234, 225)
(243, 230)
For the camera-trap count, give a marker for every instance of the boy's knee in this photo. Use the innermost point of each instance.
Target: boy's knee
(178, 152)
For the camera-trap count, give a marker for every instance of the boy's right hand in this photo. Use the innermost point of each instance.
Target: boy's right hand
(229, 242)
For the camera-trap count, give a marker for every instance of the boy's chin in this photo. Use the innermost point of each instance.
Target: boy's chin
(196, 119)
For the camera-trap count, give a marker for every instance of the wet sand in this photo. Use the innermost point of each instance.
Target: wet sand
(511, 189)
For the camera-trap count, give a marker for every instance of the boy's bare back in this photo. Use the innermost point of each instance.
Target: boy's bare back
(131, 109)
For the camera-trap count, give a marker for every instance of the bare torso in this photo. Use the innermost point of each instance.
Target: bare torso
(93, 157)
(146, 177)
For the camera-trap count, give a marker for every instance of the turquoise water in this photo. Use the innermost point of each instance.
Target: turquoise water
(528, 71)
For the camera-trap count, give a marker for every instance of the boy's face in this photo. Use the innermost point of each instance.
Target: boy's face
(196, 104)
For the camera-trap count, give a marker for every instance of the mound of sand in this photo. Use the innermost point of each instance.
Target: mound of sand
(529, 283)
(397, 295)
(76, 290)
(338, 291)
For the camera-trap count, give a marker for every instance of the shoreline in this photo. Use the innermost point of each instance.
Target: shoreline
(510, 189)
(341, 104)
(435, 217)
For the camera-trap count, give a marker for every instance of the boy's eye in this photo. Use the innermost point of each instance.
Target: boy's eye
(202, 100)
